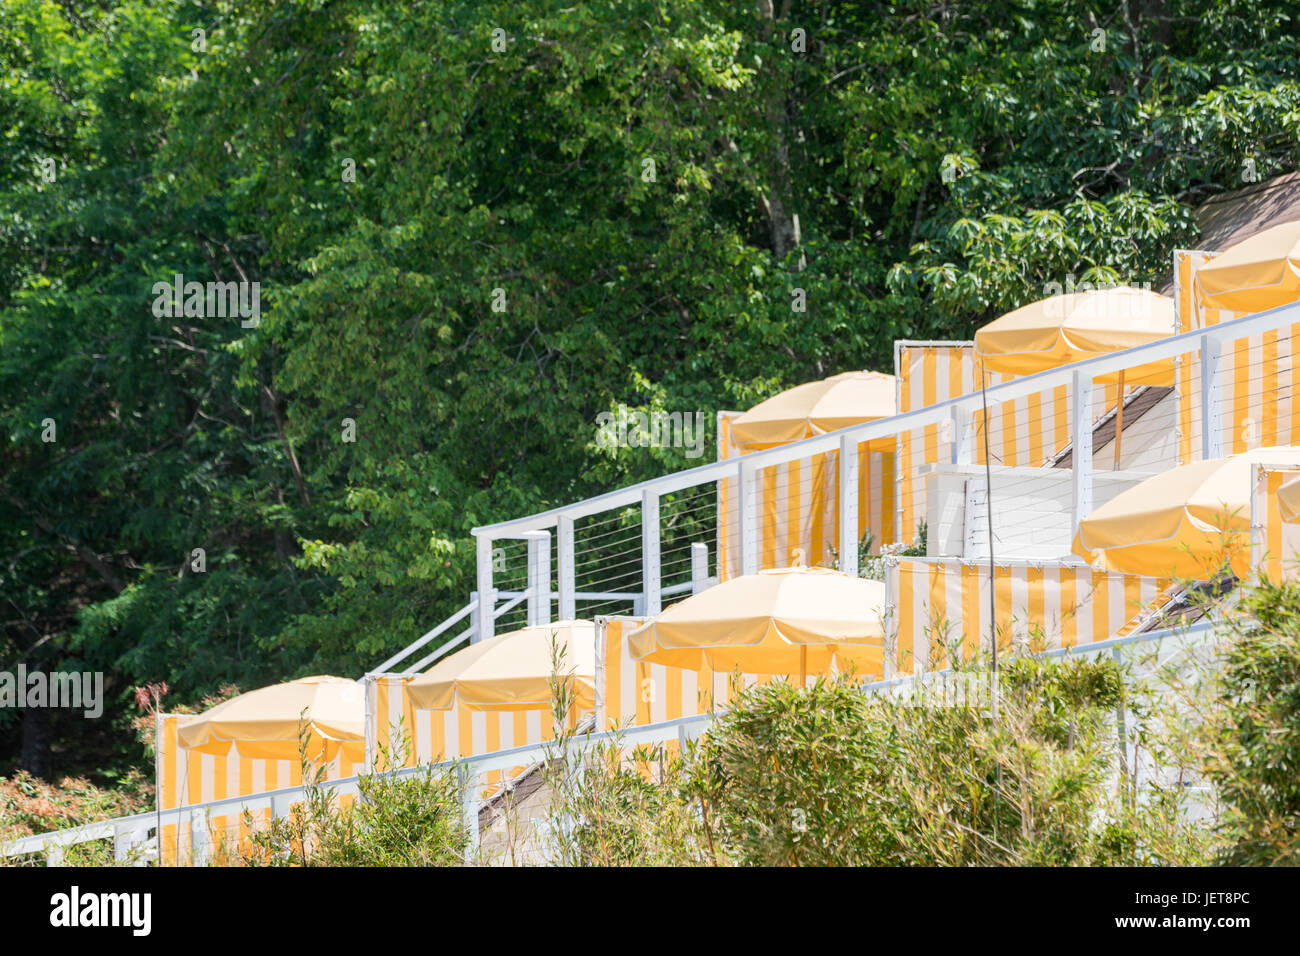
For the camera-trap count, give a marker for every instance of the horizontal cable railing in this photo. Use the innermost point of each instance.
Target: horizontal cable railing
(1167, 348)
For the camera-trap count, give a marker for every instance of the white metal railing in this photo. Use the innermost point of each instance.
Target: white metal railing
(960, 412)
(135, 837)
(141, 830)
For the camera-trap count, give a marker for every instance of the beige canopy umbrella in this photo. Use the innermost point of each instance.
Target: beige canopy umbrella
(1288, 501)
(816, 408)
(1257, 274)
(1076, 326)
(512, 671)
(268, 723)
(1187, 522)
(782, 621)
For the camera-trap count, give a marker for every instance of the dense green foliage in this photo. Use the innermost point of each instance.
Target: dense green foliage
(1253, 738)
(830, 777)
(915, 168)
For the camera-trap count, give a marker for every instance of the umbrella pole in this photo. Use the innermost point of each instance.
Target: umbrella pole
(803, 667)
(1119, 420)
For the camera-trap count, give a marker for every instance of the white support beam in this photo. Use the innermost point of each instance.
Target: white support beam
(963, 437)
(486, 592)
(565, 568)
(848, 505)
(539, 577)
(468, 780)
(198, 838)
(1258, 516)
(748, 521)
(1211, 406)
(699, 567)
(1081, 444)
(651, 583)
(372, 724)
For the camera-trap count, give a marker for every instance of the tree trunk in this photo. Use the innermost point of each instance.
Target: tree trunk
(35, 747)
(783, 222)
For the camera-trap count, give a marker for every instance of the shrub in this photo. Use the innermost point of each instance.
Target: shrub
(1252, 739)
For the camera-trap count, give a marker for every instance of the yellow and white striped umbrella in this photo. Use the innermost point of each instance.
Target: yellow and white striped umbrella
(782, 621)
(513, 670)
(816, 408)
(1189, 522)
(269, 723)
(1257, 274)
(1288, 501)
(1076, 326)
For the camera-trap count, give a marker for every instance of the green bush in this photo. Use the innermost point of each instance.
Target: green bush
(830, 777)
(1253, 731)
(413, 820)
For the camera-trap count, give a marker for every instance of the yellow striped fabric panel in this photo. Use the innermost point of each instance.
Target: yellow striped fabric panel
(926, 374)
(1026, 432)
(186, 778)
(942, 607)
(1260, 377)
(798, 507)
(411, 736)
(630, 692)
(1280, 542)
(395, 738)
(728, 504)
(1184, 304)
(169, 791)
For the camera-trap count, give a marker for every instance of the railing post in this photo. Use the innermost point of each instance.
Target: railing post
(565, 560)
(198, 838)
(539, 577)
(1211, 407)
(849, 505)
(469, 809)
(1081, 442)
(699, 567)
(486, 592)
(962, 435)
(651, 585)
(369, 684)
(1258, 516)
(748, 518)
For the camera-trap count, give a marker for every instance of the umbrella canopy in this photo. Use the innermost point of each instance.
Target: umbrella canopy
(816, 408)
(512, 671)
(1183, 523)
(1069, 328)
(269, 722)
(1259, 273)
(1288, 501)
(783, 621)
